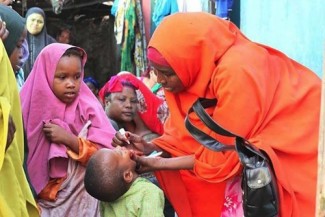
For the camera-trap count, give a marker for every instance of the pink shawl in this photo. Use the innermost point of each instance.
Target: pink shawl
(40, 105)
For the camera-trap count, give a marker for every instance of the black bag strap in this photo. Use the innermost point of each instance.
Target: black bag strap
(256, 164)
(201, 136)
(198, 108)
(208, 141)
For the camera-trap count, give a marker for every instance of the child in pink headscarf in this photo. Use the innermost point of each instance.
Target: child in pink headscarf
(65, 125)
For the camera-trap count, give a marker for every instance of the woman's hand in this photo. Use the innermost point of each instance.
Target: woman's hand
(133, 142)
(124, 139)
(149, 164)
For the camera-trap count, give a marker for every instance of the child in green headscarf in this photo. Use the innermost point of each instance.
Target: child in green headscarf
(14, 44)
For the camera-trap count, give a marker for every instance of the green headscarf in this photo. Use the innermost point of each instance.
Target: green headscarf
(15, 25)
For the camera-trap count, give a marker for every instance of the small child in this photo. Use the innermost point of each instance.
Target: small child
(111, 177)
(16, 44)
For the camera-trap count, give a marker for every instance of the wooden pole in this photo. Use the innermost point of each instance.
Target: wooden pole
(320, 197)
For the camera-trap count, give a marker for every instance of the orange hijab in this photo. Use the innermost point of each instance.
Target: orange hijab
(262, 95)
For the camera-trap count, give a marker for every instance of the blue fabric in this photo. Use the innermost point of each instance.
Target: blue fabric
(20, 78)
(114, 8)
(162, 9)
(91, 80)
(222, 7)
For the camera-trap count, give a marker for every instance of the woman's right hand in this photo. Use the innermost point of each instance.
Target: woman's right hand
(132, 142)
(129, 140)
(148, 164)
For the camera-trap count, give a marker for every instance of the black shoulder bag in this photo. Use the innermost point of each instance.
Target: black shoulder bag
(260, 196)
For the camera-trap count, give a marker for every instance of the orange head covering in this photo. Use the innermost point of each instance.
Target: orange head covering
(191, 48)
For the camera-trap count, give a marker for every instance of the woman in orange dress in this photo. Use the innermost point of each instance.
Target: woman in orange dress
(263, 96)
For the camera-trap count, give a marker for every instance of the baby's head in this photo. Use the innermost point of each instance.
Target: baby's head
(110, 173)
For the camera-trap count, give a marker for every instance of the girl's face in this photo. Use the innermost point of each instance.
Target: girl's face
(167, 78)
(67, 78)
(122, 106)
(35, 23)
(17, 54)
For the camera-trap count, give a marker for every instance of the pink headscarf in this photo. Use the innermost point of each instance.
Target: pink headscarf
(40, 105)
